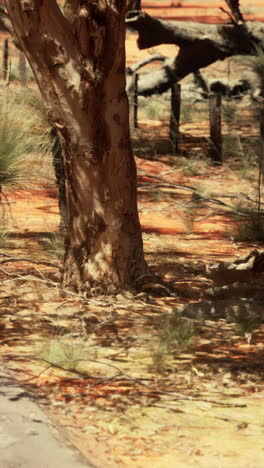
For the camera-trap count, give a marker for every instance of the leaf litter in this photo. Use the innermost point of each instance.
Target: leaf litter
(93, 363)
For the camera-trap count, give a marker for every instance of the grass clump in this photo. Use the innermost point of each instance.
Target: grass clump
(186, 113)
(256, 61)
(160, 359)
(153, 108)
(250, 229)
(232, 146)
(63, 351)
(29, 103)
(14, 74)
(4, 234)
(53, 244)
(21, 133)
(13, 147)
(176, 333)
(229, 111)
(247, 324)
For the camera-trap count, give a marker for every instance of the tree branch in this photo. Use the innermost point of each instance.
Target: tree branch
(234, 7)
(10, 258)
(124, 376)
(145, 61)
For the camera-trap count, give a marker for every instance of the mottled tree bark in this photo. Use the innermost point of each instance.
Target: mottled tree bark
(79, 64)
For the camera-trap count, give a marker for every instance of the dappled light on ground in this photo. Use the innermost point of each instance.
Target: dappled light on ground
(100, 365)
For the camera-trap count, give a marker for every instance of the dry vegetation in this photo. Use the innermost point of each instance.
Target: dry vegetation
(136, 377)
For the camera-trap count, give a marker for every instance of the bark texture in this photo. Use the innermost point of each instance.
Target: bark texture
(79, 63)
(199, 46)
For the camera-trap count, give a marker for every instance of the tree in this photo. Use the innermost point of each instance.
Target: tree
(78, 57)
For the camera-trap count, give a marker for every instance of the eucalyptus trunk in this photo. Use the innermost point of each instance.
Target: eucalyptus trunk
(78, 58)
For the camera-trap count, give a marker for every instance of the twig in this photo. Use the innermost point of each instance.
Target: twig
(17, 277)
(6, 202)
(234, 7)
(198, 197)
(100, 303)
(125, 376)
(228, 14)
(10, 258)
(57, 366)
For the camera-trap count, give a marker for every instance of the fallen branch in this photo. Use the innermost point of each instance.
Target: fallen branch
(199, 45)
(242, 270)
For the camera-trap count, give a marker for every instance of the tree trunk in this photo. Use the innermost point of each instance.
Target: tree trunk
(199, 45)
(80, 70)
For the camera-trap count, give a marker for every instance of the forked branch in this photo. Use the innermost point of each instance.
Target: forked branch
(234, 7)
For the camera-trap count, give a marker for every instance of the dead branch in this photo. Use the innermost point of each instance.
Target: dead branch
(146, 61)
(234, 7)
(199, 46)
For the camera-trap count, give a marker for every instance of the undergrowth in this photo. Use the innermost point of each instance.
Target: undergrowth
(248, 323)
(14, 74)
(175, 334)
(229, 112)
(63, 351)
(3, 237)
(250, 229)
(53, 244)
(22, 133)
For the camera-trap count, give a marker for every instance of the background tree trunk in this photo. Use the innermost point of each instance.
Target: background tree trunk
(80, 69)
